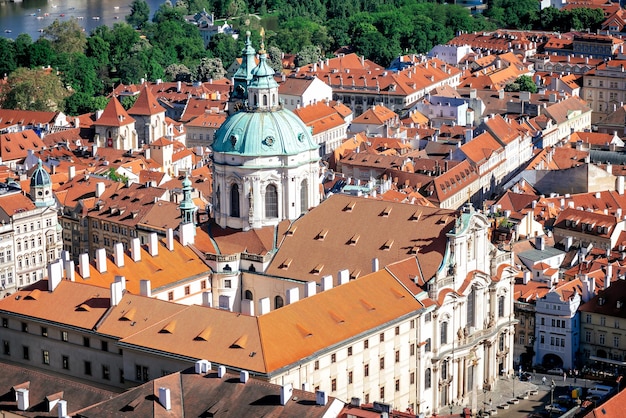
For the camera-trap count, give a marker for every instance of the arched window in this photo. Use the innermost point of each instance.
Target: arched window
(444, 333)
(444, 369)
(265, 100)
(427, 379)
(234, 201)
(304, 196)
(471, 303)
(256, 100)
(217, 199)
(249, 295)
(501, 306)
(271, 202)
(278, 302)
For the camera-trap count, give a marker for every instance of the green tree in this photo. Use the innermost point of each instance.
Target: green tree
(128, 101)
(66, 36)
(224, 47)
(178, 72)
(23, 44)
(8, 63)
(80, 103)
(139, 14)
(79, 72)
(210, 68)
(274, 58)
(42, 53)
(36, 89)
(586, 18)
(309, 54)
(522, 83)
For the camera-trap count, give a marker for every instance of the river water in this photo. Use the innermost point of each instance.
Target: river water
(31, 16)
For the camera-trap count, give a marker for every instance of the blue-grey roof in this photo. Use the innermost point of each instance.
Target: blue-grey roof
(263, 75)
(263, 133)
(40, 177)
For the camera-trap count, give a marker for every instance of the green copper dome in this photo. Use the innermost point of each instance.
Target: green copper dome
(263, 133)
(40, 177)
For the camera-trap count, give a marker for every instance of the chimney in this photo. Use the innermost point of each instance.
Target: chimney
(22, 399)
(99, 189)
(327, 283)
(153, 243)
(179, 86)
(568, 242)
(306, 387)
(116, 293)
(169, 234)
(356, 402)
(55, 274)
(247, 306)
(221, 371)
(70, 274)
(592, 286)
(186, 233)
(135, 249)
(293, 295)
(165, 399)
(122, 280)
(310, 288)
(101, 260)
(375, 265)
(321, 398)
(539, 243)
(148, 153)
(83, 265)
(145, 288)
(607, 277)
(202, 366)
(118, 254)
(207, 299)
(343, 277)
(286, 392)
(264, 306)
(244, 375)
(71, 172)
(526, 277)
(62, 409)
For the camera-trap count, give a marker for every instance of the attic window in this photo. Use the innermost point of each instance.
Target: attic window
(129, 315)
(368, 306)
(204, 335)
(385, 213)
(292, 230)
(353, 240)
(336, 317)
(414, 250)
(240, 342)
(387, 245)
(397, 293)
(601, 301)
(34, 295)
(169, 328)
(355, 274)
(321, 235)
(285, 264)
(83, 307)
(305, 332)
(317, 269)
(416, 216)
(349, 206)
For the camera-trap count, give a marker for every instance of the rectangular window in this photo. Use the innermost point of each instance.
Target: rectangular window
(616, 341)
(104, 345)
(366, 370)
(65, 362)
(45, 357)
(64, 336)
(25, 352)
(382, 337)
(397, 330)
(333, 385)
(88, 368)
(428, 317)
(412, 350)
(350, 351)
(350, 378)
(333, 358)
(6, 346)
(397, 356)
(203, 284)
(382, 363)
(170, 296)
(603, 321)
(44, 331)
(106, 373)
(366, 344)
(412, 323)
(588, 318)
(86, 341)
(24, 327)
(142, 373)
(5, 322)
(412, 378)
(187, 290)
(227, 283)
(397, 385)
(382, 393)
(316, 365)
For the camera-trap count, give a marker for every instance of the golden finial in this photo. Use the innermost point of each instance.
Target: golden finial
(262, 33)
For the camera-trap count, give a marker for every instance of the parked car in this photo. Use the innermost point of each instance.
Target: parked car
(555, 407)
(525, 377)
(556, 370)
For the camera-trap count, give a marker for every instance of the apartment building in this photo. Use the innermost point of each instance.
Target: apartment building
(604, 88)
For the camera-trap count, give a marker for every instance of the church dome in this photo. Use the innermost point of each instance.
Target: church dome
(263, 133)
(40, 177)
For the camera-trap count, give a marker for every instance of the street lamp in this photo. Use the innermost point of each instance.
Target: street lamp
(552, 386)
